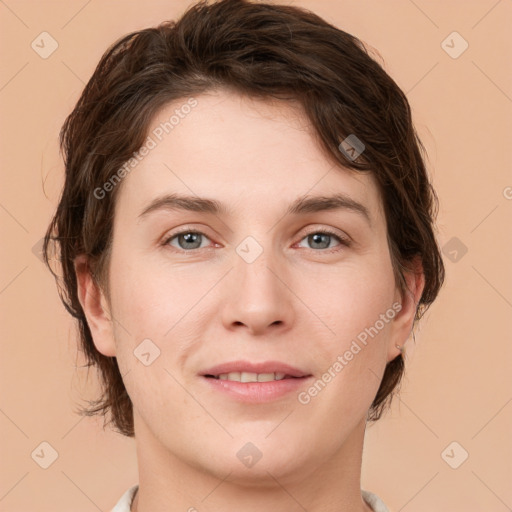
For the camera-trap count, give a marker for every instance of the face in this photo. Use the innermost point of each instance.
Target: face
(250, 277)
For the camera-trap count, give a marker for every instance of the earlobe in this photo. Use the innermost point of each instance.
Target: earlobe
(95, 307)
(403, 322)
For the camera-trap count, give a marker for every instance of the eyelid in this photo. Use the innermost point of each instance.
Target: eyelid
(329, 231)
(181, 231)
(344, 241)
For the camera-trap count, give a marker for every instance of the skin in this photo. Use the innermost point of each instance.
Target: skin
(297, 302)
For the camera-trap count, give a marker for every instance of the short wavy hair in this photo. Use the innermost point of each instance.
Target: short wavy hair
(260, 50)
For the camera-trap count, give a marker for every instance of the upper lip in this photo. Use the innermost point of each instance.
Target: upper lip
(251, 367)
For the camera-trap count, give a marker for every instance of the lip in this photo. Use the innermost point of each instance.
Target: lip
(256, 392)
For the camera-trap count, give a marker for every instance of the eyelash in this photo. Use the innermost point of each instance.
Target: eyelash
(343, 241)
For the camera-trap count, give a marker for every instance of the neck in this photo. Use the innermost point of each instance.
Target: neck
(169, 483)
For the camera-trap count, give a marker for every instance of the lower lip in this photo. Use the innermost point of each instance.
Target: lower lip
(257, 392)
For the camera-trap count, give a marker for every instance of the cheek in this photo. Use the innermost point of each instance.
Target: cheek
(355, 299)
(357, 309)
(150, 301)
(161, 305)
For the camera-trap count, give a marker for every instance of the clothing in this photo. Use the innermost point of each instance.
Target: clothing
(124, 504)
(375, 503)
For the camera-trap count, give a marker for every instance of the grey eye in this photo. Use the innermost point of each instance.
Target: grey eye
(187, 240)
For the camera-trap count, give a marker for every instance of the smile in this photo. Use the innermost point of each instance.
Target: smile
(250, 377)
(251, 382)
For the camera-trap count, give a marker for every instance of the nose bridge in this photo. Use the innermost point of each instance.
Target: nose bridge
(259, 296)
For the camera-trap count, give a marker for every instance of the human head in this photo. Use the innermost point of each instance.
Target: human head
(259, 51)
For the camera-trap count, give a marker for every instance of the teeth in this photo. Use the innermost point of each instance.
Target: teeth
(248, 377)
(251, 377)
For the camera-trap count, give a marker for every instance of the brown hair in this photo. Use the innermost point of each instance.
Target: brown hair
(259, 50)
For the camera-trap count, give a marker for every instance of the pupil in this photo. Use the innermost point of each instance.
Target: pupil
(317, 239)
(190, 238)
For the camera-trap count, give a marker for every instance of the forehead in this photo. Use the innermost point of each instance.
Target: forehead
(250, 154)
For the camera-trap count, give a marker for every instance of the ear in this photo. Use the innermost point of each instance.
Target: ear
(95, 306)
(403, 322)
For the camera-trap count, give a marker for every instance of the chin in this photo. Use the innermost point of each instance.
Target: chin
(258, 462)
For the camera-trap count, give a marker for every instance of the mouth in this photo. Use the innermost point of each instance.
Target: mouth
(255, 382)
(251, 377)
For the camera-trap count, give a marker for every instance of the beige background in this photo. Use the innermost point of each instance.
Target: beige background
(458, 385)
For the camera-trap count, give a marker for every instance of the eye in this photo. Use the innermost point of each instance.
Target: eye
(186, 240)
(321, 239)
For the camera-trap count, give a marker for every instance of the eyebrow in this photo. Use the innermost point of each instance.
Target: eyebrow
(301, 206)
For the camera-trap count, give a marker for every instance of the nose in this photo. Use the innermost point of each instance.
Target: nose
(258, 299)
